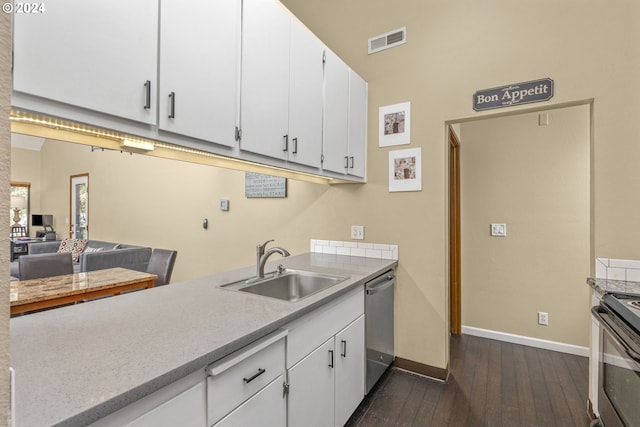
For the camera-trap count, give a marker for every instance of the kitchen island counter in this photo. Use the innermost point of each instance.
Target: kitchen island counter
(75, 365)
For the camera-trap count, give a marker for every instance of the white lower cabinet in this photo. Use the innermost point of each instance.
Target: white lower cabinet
(265, 408)
(326, 384)
(311, 388)
(186, 409)
(349, 371)
(182, 403)
(319, 358)
(236, 380)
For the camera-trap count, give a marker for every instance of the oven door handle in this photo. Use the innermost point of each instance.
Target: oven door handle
(604, 322)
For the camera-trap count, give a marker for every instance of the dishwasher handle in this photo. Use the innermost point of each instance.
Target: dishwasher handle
(381, 283)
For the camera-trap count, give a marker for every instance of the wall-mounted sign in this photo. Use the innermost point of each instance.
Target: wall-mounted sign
(514, 94)
(259, 185)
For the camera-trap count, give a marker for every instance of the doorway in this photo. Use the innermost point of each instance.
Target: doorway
(79, 206)
(538, 184)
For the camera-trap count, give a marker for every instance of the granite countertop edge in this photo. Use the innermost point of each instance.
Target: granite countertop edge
(358, 269)
(602, 286)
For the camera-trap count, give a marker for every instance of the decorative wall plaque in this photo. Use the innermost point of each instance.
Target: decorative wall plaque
(513, 94)
(259, 185)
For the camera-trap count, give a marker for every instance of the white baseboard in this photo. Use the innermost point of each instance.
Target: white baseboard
(531, 342)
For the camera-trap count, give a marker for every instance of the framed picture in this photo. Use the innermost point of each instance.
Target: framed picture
(405, 170)
(395, 125)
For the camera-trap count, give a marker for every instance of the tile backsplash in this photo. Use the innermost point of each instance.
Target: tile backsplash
(618, 269)
(368, 250)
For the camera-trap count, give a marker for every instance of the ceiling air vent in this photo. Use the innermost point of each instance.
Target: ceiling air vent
(388, 40)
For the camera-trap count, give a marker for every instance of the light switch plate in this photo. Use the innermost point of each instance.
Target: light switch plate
(224, 205)
(357, 232)
(498, 230)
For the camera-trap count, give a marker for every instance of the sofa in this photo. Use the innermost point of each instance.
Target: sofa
(96, 255)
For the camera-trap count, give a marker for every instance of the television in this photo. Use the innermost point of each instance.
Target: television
(40, 220)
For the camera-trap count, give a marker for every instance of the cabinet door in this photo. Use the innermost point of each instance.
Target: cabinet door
(305, 96)
(350, 362)
(357, 125)
(97, 55)
(265, 408)
(188, 409)
(199, 68)
(336, 113)
(265, 77)
(311, 388)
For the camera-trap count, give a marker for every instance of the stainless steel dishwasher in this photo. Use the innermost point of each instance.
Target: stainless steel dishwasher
(379, 301)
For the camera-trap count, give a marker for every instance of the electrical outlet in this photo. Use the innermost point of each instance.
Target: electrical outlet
(543, 318)
(357, 232)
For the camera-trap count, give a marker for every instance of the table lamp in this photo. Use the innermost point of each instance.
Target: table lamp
(17, 204)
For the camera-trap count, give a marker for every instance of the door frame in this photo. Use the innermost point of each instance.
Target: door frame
(71, 204)
(455, 261)
(455, 286)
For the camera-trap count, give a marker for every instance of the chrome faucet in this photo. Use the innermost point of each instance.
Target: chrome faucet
(262, 256)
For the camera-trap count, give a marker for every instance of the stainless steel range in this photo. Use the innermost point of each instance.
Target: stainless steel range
(619, 360)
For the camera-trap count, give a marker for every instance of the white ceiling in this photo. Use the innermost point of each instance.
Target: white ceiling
(26, 142)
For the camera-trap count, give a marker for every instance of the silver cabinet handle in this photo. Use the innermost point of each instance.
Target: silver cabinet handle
(346, 162)
(147, 88)
(331, 358)
(172, 107)
(295, 146)
(351, 162)
(286, 142)
(344, 348)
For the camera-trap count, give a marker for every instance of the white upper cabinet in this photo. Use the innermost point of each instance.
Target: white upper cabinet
(357, 125)
(336, 113)
(192, 73)
(199, 68)
(305, 96)
(344, 143)
(281, 106)
(98, 55)
(265, 77)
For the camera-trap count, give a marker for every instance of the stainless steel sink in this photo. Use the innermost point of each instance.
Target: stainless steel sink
(290, 285)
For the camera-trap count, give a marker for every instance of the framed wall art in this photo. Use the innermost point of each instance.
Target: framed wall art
(405, 170)
(395, 125)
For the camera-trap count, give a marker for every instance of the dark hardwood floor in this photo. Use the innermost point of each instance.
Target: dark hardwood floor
(492, 383)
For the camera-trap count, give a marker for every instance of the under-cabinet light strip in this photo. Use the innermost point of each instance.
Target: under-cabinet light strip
(54, 124)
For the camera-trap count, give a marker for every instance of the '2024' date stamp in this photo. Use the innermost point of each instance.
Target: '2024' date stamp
(23, 8)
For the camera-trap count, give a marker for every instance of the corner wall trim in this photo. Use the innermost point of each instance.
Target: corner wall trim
(531, 342)
(432, 372)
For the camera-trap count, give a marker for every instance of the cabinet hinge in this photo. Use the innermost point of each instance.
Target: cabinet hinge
(322, 158)
(324, 57)
(238, 134)
(285, 389)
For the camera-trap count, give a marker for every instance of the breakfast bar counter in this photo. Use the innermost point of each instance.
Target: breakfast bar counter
(47, 292)
(76, 364)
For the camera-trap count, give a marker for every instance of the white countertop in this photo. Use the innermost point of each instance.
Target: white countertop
(74, 365)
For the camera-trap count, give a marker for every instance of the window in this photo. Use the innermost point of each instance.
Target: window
(19, 209)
